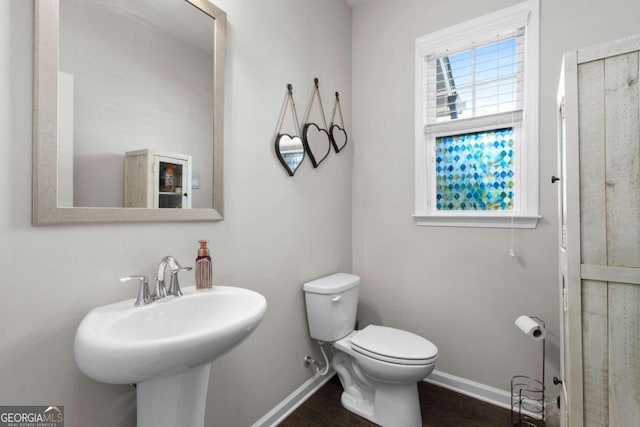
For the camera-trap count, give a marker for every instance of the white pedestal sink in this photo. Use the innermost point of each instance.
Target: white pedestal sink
(166, 348)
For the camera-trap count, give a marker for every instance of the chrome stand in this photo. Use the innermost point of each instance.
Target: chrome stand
(527, 396)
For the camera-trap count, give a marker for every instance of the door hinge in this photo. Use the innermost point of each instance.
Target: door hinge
(565, 300)
(562, 111)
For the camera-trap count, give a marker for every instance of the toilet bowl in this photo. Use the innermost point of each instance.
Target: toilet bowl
(378, 366)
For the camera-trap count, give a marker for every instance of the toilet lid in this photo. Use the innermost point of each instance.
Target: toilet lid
(394, 345)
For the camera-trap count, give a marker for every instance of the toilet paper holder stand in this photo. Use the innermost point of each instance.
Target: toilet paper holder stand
(527, 395)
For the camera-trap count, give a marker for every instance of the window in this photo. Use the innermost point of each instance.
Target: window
(477, 122)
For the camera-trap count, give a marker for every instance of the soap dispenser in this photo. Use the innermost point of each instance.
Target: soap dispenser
(203, 266)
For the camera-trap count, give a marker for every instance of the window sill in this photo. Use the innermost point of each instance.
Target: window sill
(480, 220)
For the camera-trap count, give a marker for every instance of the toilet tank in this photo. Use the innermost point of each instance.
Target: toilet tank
(331, 303)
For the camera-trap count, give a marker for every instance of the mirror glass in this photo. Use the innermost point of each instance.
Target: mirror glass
(290, 152)
(138, 114)
(133, 75)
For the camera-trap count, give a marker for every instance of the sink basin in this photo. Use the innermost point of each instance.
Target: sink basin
(169, 343)
(123, 344)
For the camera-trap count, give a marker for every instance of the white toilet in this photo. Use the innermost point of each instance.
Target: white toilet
(378, 366)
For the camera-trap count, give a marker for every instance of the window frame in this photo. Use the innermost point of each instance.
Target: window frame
(467, 35)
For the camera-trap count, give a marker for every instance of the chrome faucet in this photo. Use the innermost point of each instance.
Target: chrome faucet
(160, 291)
(174, 286)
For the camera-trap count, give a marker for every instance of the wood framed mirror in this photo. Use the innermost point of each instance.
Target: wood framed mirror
(76, 183)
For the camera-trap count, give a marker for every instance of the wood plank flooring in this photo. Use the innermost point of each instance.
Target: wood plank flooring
(440, 408)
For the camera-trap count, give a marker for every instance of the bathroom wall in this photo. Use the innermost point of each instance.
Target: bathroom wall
(278, 231)
(457, 286)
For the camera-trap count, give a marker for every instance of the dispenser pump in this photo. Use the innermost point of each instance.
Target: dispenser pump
(203, 267)
(204, 250)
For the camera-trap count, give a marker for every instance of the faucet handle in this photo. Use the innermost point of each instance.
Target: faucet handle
(143, 291)
(174, 285)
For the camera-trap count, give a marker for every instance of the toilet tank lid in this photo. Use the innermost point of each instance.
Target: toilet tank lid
(333, 284)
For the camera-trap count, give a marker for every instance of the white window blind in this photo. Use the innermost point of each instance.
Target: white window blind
(483, 80)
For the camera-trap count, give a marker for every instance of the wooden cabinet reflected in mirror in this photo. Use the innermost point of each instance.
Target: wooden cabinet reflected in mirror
(157, 179)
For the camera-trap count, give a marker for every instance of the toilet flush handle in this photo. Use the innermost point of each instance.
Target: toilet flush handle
(336, 299)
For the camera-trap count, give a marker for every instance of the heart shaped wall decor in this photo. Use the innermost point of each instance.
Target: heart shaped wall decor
(290, 152)
(317, 143)
(338, 137)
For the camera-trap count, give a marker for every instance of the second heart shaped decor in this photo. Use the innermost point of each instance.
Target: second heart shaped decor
(316, 142)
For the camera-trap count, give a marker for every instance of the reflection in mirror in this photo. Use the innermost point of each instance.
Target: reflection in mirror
(290, 152)
(289, 149)
(131, 76)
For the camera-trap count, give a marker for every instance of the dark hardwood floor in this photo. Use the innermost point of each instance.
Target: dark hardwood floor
(440, 408)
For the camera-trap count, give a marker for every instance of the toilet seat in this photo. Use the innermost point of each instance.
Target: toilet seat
(394, 346)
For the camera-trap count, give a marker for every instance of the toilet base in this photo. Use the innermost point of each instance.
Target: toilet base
(393, 406)
(386, 404)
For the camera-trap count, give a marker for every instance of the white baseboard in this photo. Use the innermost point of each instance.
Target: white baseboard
(483, 392)
(486, 393)
(295, 399)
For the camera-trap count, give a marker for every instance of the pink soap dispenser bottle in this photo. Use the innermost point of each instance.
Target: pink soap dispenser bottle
(203, 266)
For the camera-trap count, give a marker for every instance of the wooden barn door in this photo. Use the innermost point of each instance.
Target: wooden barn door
(600, 260)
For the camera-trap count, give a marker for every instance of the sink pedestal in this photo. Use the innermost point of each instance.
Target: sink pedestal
(156, 345)
(175, 401)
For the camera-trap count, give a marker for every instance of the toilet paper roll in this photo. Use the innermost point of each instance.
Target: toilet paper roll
(531, 327)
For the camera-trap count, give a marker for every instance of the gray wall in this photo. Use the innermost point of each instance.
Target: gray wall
(456, 286)
(278, 232)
